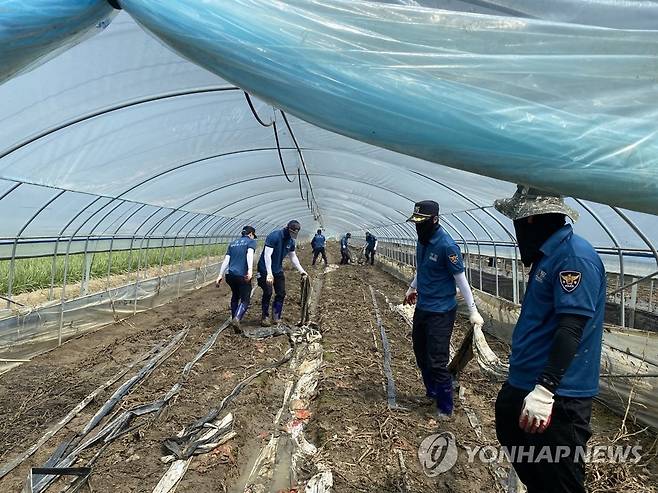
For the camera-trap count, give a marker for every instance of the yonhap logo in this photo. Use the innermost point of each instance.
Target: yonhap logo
(438, 453)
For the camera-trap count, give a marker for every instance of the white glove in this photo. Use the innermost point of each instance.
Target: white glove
(270, 279)
(304, 273)
(410, 296)
(537, 409)
(475, 318)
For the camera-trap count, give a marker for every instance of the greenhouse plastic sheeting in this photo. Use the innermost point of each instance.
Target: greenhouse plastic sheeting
(147, 126)
(32, 31)
(27, 334)
(556, 105)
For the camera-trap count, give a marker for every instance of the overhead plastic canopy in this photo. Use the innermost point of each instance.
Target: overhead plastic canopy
(122, 117)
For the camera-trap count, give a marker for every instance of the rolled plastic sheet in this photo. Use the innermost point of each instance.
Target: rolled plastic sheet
(565, 107)
(33, 31)
(619, 14)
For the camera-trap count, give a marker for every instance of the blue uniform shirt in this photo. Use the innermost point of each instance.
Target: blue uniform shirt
(569, 278)
(344, 243)
(371, 240)
(318, 241)
(437, 263)
(282, 244)
(237, 250)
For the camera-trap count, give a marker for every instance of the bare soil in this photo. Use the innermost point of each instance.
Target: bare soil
(369, 447)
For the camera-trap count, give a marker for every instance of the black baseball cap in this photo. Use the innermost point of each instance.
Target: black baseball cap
(249, 229)
(424, 210)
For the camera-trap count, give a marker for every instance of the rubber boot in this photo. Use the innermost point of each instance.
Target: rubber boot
(239, 313)
(430, 387)
(277, 309)
(234, 307)
(444, 402)
(265, 319)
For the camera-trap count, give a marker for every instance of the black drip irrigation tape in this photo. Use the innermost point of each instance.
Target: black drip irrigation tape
(110, 430)
(6, 469)
(116, 427)
(129, 384)
(306, 293)
(187, 445)
(388, 371)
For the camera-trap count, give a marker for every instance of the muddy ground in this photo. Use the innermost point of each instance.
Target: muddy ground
(369, 447)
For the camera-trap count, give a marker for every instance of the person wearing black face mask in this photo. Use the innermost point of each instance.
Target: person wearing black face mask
(440, 270)
(278, 245)
(345, 255)
(546, 402)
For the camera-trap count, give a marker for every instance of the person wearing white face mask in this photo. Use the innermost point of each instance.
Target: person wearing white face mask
(440, 270)
(279, 244)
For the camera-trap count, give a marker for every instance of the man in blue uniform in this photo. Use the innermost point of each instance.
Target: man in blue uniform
(238, 267)
(345, 256)
(370, 247)
(440, 270)
(279, 244)
(318, 244)
(546, 402)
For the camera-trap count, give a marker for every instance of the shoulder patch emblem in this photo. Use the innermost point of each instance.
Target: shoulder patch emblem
(453, 258)
(570, 280)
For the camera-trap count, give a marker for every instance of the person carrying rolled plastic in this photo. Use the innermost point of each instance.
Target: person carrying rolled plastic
(318, 244)
(546, 403)
(439, 271)
(345, 256)
(279, 244)
(370, 247)
(238, 268)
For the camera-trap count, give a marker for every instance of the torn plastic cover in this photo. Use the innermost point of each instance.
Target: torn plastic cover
(32, 31)
(357, 184)
(558, 106)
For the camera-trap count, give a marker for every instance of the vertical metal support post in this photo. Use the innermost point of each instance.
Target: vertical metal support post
(631, 322)
(12, 262)
(515, 281)
(116, 231)
(621, 277)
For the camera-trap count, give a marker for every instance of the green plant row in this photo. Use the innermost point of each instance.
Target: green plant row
(31, 274)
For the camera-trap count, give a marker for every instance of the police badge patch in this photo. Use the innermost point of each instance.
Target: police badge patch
(453, 258)
(570, 280)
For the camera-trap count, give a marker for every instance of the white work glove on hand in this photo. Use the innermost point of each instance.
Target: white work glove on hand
(537, 409)
(218, 281)
(410, 296)
(475, 318)
(270, 279)
(304, 273)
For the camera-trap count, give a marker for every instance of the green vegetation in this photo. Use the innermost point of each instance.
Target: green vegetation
(31, 274)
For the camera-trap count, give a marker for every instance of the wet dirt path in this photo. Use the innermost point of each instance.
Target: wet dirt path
(372, 448)
(368, 447)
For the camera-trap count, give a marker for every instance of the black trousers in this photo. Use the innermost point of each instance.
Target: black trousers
(317, 252)
(240, 289)
(569, 427)
(345, 256)
(370, 255)
(431, 339)
(278, 288)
